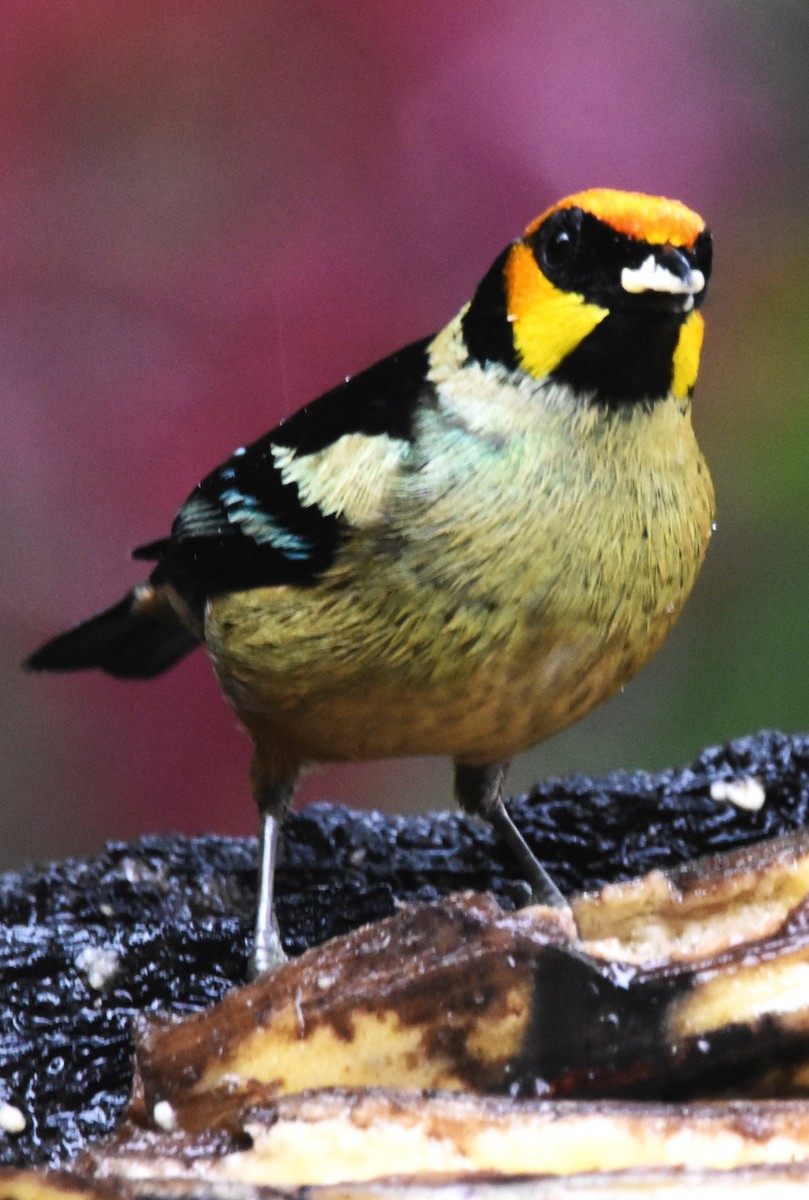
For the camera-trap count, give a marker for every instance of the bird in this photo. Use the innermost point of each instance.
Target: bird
(462, 549)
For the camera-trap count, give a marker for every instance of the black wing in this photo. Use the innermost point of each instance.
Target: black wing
(243, 526)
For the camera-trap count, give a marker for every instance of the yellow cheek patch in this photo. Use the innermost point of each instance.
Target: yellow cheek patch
(547, 323)
(686, 355)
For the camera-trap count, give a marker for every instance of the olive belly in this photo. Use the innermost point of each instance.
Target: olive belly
(481, 702)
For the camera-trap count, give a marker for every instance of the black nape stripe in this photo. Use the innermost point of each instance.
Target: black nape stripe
(383, 399)
(487, 330)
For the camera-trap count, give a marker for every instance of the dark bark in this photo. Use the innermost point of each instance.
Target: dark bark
(177, 911)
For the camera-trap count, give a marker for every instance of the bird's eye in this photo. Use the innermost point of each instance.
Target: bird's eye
(559, 239)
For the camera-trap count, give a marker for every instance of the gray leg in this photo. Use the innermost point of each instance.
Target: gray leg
(267, 949)
(479, 790)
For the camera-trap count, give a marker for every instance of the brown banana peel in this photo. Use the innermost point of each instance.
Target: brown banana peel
(686, 984)
(633, 1044)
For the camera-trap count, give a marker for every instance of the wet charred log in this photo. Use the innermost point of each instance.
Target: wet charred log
(164, 924)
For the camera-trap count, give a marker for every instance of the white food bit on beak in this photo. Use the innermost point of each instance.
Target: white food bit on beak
(650, 276)
(744, 793)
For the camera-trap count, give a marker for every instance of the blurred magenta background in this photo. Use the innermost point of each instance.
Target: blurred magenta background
(211, 212)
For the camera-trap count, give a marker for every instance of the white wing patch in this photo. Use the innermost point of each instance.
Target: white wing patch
(351, 478)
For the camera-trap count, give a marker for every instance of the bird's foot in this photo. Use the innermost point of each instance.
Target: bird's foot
(479, 789)
(542, 888)
(267, 953)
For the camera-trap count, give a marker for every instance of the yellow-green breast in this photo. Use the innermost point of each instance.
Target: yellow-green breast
(507, 572)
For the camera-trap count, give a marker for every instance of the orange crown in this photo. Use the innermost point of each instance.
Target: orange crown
(647, 218)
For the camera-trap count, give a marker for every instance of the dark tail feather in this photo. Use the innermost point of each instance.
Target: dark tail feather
(137, 638)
